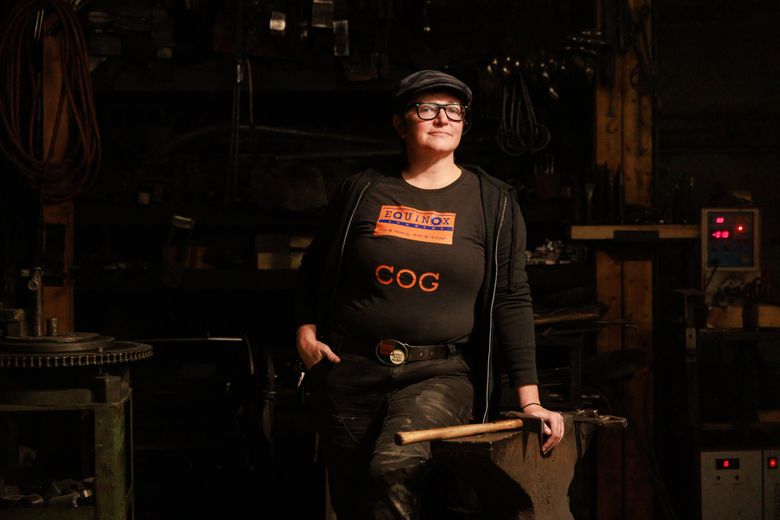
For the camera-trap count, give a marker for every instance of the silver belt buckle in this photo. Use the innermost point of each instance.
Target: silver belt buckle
(392, 352)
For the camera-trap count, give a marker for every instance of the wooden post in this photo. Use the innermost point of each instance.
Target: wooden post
(638, 391)
(624, 123)
(623, 140)
(57, 300)
(610, 464)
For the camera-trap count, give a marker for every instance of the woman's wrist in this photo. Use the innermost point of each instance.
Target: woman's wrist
(523, 407)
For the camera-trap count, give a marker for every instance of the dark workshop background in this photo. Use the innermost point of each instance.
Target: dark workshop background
(225, 126)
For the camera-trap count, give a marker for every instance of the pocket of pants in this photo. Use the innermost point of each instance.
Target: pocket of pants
(462, 362)
(314, 382)
(317, 369)
(347, 431)
(319, 364)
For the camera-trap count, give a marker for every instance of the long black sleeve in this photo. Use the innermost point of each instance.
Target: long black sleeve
(513, 311)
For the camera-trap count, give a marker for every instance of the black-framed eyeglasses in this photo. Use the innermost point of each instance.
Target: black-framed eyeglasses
(453, 111)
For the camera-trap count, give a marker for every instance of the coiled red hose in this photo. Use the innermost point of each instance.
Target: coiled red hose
(74, 167)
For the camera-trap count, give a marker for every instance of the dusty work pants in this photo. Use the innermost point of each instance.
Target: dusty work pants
(362, 404)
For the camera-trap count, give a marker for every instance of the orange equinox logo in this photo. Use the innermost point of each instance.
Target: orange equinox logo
(408, 223)
(406, 278)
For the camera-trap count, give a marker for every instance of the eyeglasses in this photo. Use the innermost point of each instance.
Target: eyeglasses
(453, 111)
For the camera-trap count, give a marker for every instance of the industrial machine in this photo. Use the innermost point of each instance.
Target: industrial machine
(740, 485)
(65, 419)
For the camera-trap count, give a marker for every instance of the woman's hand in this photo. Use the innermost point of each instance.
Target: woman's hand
(528, 397)
(310, 349)
(553, 425)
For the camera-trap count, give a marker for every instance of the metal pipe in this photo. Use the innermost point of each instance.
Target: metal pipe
(53, 327)
(36, 285)
(190, 340)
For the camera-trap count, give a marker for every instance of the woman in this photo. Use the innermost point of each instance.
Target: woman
(415, 282)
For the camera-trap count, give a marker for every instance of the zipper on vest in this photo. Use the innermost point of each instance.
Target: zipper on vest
(490, 312)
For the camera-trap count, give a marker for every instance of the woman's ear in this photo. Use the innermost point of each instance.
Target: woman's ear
(400, 125)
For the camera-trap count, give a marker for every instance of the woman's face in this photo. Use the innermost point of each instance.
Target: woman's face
(439, 135)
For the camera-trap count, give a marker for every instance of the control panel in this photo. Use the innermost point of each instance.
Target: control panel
(740, 485)
(731, 485)
(730, 250)
(730, 238)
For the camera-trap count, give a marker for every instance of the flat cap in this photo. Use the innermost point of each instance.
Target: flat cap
(427, 80)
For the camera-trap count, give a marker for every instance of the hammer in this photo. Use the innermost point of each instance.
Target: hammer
(451, 432)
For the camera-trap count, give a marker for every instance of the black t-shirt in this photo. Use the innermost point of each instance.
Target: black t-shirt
(413, 264)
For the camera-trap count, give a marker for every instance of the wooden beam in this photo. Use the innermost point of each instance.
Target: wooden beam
(610, 464)
(624, 122)
(665, 231)
(624, 141)
(608, 102)
(609, 291)
(638, 391)
(626, 286)
(57, 300)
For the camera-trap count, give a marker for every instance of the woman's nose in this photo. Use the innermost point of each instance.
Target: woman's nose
(441, 116)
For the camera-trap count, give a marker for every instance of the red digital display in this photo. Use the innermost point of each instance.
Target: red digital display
(726, 463)
(721, 233)
(771, 463)
(720, 220)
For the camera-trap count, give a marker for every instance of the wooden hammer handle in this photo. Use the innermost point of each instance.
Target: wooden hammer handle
(450, 432)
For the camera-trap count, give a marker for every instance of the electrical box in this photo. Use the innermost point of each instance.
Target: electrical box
(740, 485)
(730, 251)
(771, 485)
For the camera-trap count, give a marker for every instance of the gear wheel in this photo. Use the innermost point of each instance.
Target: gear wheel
(43, 355)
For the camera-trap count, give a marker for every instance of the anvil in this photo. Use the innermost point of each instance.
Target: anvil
(509, 473)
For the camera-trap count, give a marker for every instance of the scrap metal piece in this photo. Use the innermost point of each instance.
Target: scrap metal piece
(592, 416)
(21, 501)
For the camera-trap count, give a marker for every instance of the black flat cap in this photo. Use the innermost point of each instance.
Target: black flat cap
(427, 80)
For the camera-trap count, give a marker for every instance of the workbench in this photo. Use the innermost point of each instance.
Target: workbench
(106, 409)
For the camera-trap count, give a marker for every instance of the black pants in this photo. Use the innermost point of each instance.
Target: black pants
(361, 405)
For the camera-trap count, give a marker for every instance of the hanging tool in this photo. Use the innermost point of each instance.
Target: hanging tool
(519, 131)
(643, 74)
(590, 188)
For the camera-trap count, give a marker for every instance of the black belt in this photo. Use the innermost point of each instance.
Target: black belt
(395, 352)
